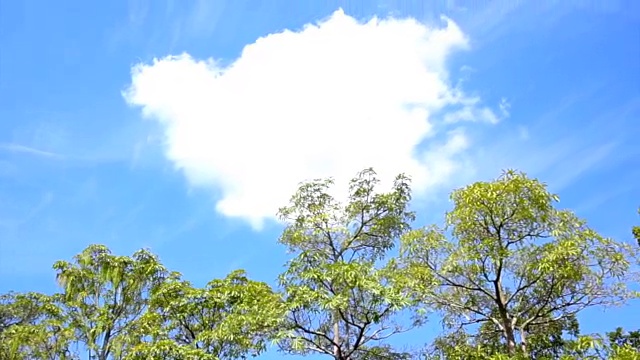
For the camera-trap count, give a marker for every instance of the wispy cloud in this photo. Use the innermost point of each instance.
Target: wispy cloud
(138, 11)
(45, 200)
(561, 151)
(204, 16)
(576, 164)
(488, 21)
(23, 149)
(595, 200)
(21, 214)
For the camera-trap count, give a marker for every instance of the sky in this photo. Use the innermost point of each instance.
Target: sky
(182, 126)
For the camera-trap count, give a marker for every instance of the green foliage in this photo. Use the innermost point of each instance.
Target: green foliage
(228, 319)
(620, 338)
(340, 292)
(552, 340)
(514, 261)
(460, 345)
(32, 326)
(620, 345)
(105, 295)
(509, 271)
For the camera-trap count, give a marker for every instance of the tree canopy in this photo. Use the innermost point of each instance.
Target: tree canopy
(513, 261)
(341, 300)
(508, 275)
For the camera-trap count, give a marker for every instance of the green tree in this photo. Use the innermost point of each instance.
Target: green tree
(621, 338)
(230, 318)
(619, 345)
(514, 260)
(553, 340)
(105, 295)
(456, 345)
(20, 309)
(550, 339)
(32, 326)
(339, 287)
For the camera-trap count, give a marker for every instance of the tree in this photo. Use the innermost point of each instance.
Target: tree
(456, 345)
(105, 295)
(621, 338)
(553, 340)
(32, 326)
(550, 339)
(619, 345)
(20, 309)
(230, 318)
(514, 260)
(339, 288)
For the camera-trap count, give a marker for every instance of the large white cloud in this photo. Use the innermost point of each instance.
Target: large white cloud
(328, 100)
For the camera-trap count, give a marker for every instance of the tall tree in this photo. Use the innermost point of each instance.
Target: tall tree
(514, 260)
(104, 296)
(230, 318)
(339, 288)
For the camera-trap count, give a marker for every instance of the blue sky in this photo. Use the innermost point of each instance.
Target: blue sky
(192, 155)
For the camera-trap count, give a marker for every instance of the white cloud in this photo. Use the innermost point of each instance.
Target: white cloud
(328, 100)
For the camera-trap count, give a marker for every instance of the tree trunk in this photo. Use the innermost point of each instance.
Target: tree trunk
(507, 325)
(336, 338)
(510, 337)
(523, 343)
